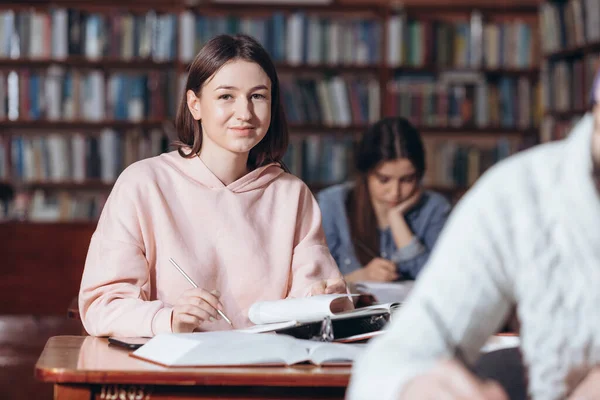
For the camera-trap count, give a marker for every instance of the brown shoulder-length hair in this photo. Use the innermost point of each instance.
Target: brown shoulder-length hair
(214, 54)
(387, 140)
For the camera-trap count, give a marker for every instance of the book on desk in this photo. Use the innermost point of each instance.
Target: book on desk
(281, 336)
(234, 348)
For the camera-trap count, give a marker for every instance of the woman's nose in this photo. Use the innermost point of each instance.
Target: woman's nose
(244, 110)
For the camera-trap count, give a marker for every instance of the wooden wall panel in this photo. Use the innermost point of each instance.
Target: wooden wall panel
(41, 266)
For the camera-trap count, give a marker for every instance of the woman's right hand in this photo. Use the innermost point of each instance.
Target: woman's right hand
(378, 270)
(194, 307)
(450, 380)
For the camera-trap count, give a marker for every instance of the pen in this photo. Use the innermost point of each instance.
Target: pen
(186, 276)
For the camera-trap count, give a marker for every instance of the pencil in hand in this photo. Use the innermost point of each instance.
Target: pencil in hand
(186, 276)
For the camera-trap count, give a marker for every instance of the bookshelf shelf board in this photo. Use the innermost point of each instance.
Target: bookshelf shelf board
(486, 6)
(532, 73)
(349, 68)
(566, 114)
(469, 130)
(92, 184)
(477, 131)
(85, 63)
(574, 52)
(332, 7)
(58, 225)
(80, 125)
(444, 189)
(453, 190)
(316, 68)
(54, 225)
(301, 129)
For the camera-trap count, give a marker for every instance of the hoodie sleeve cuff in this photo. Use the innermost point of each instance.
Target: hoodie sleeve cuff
(161, 323)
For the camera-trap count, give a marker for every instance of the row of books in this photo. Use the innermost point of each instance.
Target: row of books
(326, 160)
(59, 33)
(59, 94)
(338, 101)
(57, 206)
(469, 44)
(77, 158)
(320, 159)
(455, 164)
(295, 38)
(466, 100)
(567, 83)
(568, 24)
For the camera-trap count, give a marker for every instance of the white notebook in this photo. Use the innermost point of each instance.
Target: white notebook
(311, 309)
(231, 348)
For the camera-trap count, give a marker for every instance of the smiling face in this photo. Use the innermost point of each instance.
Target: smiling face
(392, 182)
(234, 107)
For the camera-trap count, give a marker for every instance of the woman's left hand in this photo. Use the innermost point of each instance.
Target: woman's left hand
(409, 203)
(589, 387)
(329, 286)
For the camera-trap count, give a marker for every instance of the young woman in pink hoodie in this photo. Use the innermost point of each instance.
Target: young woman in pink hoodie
(221, 206)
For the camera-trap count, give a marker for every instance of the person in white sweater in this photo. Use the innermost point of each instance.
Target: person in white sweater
(526, 235)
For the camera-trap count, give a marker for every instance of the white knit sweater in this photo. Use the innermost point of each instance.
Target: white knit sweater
(528, 233)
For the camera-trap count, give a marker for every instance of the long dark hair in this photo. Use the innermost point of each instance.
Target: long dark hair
(213, 55)
(387, 140)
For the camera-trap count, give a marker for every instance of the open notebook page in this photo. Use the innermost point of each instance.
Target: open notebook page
(305, 309)
(320, 353)
(222, 349)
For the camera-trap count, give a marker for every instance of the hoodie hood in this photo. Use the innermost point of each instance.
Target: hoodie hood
(199, 172)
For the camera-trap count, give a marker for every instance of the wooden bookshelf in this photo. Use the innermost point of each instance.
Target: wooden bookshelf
(44, 125)
(568, 70)
(81, 62)
(285, 68)
(478, 131)
(532, 73)
(335, 7)
(378, 70)
(87, 185)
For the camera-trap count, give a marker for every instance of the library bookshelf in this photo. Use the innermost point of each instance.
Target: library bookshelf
(111, 73)
(571, 49)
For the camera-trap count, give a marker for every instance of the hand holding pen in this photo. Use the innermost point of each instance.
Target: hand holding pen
(195, 306)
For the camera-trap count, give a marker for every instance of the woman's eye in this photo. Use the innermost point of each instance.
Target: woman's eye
(258, 96)
(409, 179)
(383, 180)
(225, 97)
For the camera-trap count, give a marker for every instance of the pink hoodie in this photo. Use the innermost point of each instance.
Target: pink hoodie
(258, 238)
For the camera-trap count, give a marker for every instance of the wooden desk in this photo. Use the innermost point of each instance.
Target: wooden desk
(88, 368)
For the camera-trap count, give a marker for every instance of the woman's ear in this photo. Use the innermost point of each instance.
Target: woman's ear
(193, 103)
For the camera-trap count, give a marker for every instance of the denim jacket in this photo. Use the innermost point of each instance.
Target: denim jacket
(426, 221)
